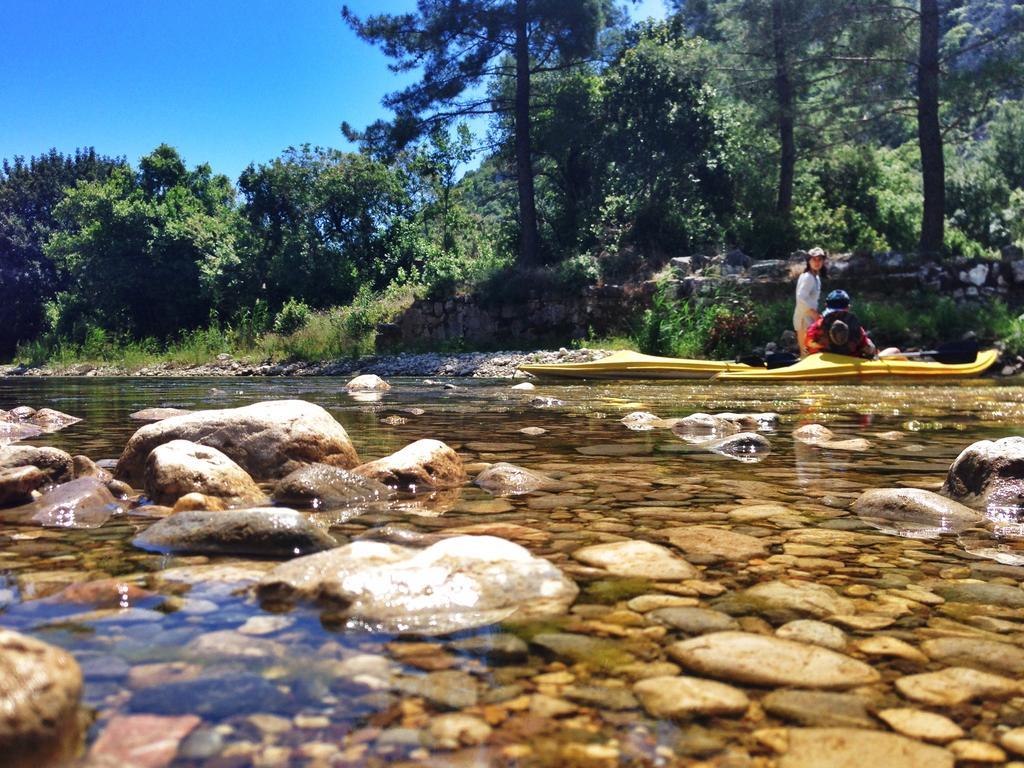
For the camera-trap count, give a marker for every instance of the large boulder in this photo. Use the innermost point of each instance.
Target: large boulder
(423, 464)
(53, 462)
(458, 583)
(322, 486)
(913, 512)
(82, 503)
(180, 467)
(268, 440)
(263, 532)
(40, 688)
(989, 473)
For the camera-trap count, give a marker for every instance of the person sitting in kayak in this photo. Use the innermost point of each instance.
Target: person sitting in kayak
(838, 330)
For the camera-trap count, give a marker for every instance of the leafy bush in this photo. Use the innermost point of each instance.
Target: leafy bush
(293, 316)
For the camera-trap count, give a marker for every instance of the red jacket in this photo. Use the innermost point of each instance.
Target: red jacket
(819, 338)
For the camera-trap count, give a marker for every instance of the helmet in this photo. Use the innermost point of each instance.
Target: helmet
(837, 299)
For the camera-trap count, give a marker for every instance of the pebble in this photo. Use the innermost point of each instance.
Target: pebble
(1013, 740)
(813, 632)
(969, 750)
(683, 697)
(955, 685)
(453, 730)
(926, 726)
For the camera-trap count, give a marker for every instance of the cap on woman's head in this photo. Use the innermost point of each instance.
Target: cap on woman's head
(815, 252)
(837, 299)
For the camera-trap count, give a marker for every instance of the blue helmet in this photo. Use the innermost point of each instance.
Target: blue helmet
(837, 299)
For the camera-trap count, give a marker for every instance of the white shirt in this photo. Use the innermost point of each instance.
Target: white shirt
(808, 290)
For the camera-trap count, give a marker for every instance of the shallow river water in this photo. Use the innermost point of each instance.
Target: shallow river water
(284, 689)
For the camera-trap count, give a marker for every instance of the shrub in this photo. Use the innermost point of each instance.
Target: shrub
(293, 316)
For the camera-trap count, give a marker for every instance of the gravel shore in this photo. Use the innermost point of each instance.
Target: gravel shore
(470, 364)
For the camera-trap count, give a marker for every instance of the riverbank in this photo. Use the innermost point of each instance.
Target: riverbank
(470, 364)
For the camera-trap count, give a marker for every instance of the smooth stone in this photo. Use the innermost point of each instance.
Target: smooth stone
(717, 543)
(851, 444)
(819, 708)
(601, 697)
(198, 502)
(981, 592)
(12, 432)
(955, 685)
(142, 741)
(972, 751)
(1013, 740)
(457, 583)
(760, 660)
(455, 730)
(264, 532)
(524, 386)
(813, 434)
(268, 439)
(179, 467)
(56, 464)
(449, 688)
(597, 652)
(17, 484)
(683, 697)
(368, 382)
(83, 466)
(533, 431)
(321, 486)
(744, 446)
(40, 691)
(49, 420)
(986, 655)
(504, 479)
(646, 603)
(420, 465)
(265, 625)
(989, 473)
(913, 512)
(880, 645)
(157, 414)
(818, 600)
(694, 621)
(813, 632)
(637, 559)
(926, 726)
(855, 748)
(82, 503)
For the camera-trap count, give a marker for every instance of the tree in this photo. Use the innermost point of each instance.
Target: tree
(461, 45)
(29, 192)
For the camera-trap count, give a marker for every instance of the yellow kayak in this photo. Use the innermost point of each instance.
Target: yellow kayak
(829, 367)
(626, 364)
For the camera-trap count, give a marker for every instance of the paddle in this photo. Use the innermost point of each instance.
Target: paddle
(953, 353)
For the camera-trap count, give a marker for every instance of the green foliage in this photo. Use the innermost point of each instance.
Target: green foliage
(293, 316)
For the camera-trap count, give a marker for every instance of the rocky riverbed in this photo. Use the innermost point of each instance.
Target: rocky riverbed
(411, 574)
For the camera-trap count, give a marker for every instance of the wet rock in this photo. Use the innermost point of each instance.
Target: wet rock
(268, 440)
(693, 620)
(955, 685)
(641, 421)
(601, 697)
(813, 434)
(503, 479)
(142, 741)
(449, 688)
(458, 583)
(499, 647)
(596, 652)
(852, 748)
(83, 466)
(322, 486)
(981, 592)
(973, 751)
(54, 463)
(50, 420)
(533, 431)
(989, 474)
(451, 731)
(368, 382)
(22, 412)
(17, 484)
(180, 467)
(819, 708)
(716, 543)
(213, 698)
(818, 600)
(684, 697)
(422, 464)
(1013, 740)
(744, 446)
(157, 414)
(704, 426)
(813, 632)
(199, 501)
(880, 645)
(13, 431)
(637, 559)
(986, 655)
(264, 532)
(40, 689)
(926, 726)
(913, 512)
(524, 386)
(105, 593)
(760, 660)
(84, 503)
(228, 644)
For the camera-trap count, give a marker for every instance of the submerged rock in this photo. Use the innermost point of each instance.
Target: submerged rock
(458, 583)
(743, 446)
(637, 559)
(13, 431)
(157, 414)
(142, 741)
(53, 462)
(955, 685)
(50, 420)
(40, 689)
(180, 467)
(268, 440)
(989, 473)
(713, 543)
(267, 532)
(83, 503)
(913, 512)
(504, 479)
(821, 708)
(684, 697)
(419, 465)
(851, 748)
(322, 486)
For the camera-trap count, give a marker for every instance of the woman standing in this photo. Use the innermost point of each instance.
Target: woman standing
(808, 290)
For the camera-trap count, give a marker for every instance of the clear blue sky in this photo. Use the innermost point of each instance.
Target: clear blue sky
(227, 82)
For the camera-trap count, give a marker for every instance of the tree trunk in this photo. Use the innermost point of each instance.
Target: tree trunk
(529, 252)
(784, 98)
(933, 171)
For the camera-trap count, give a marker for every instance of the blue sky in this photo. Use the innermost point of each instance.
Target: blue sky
(227, 82)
